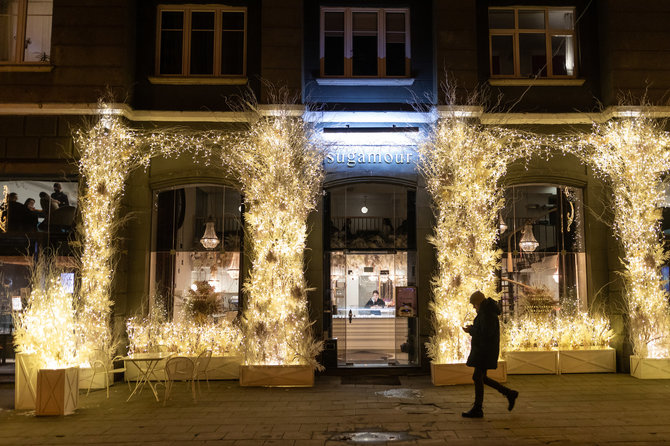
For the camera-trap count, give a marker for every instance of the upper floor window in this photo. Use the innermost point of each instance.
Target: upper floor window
(532, 42)
(361, 42)
(25, 30)
(205, 40)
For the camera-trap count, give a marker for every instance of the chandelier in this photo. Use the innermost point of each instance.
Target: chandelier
(209, 239)
(528, 243)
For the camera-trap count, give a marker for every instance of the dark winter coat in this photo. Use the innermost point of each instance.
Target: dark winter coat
(485, 334)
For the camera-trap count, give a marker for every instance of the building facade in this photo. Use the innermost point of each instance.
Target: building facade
(372, 77)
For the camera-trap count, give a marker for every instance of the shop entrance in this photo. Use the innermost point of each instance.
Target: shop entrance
(371, 304)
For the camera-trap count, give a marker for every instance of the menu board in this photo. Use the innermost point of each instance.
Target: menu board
(405, 301)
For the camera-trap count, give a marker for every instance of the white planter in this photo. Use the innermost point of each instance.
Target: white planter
(587, 361)
(276, 376)
(220, 367)
(25, 382)
(650, 368)
(57, 391)
(543, 362)
(85, 374)
(459, 373)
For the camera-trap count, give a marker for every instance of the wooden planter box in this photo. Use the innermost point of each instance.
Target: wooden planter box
(85, 374)
(650, 368)
(57, 391)
(543, 362)
(587, 361)
(276, 376)
(220, 367)
(459, 373)
(25, 382)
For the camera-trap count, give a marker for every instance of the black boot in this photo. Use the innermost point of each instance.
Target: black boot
(511, 399)
(475, 412)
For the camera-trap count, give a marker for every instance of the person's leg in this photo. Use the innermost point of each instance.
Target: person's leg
(476, 411)
(506, 391)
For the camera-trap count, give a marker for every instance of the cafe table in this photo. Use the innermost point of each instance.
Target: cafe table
(146, 364)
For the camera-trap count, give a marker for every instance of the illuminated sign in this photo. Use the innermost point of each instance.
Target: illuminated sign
(370, 157)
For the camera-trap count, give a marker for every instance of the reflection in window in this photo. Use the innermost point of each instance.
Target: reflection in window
(25, 30)
(181, 264)
(542, 239)
(371, 216)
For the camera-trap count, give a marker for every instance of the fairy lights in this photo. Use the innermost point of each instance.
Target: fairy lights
(633, 155)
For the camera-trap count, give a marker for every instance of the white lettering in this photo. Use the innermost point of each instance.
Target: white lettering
(388, 158)
(330, 159)
(351, 160)
(374, 158)
(399, 159)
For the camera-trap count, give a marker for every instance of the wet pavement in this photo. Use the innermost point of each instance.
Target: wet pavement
(568, 409)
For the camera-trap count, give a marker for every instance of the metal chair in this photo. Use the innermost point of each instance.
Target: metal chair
(100, 363)
(201, 366)
(178, 368)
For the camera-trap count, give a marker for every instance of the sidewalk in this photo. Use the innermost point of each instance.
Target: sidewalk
(568, 409)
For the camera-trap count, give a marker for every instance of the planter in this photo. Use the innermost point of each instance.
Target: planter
(543, 362)
(459, 373)
(276, 376)
(650, 368)
(587, 361)
(220, 367)
(57, 391)
(25, 382)
(85, 374)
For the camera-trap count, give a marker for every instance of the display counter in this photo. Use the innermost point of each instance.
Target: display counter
(362, 312)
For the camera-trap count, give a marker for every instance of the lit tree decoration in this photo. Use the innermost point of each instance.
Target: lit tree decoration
(280, 171)
(108, 152)
(46, 326)
(463, 164)
(633, 155)
(4, 209)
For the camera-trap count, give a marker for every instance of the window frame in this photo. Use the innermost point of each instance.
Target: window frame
(546, 31)
(348, 42)
(19, 49)
(188, 10)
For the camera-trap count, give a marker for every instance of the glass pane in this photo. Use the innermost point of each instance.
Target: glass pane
(365, 22)
(561, 19)
(202, 20)
(563, 55)
(531, 19)
(395, 59)
(364, 55)
(233, 21)
(333, 57)
(8, 22)
(232, 53)
(202, 52)
(533, 55)
(172, 20)
(171, 52)
(38, 31)
(333, 21)
(501, 19)
(395, 21)
(502, 55)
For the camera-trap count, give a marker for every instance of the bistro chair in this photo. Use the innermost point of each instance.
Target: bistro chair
(178, 368)
(100, 363)
(201, 366)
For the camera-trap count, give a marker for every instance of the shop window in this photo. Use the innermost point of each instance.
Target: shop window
(358, 42)
(25, 30)
(197, 244)
(34, 207)
(201, 41)
(542, 239)
(532, 42)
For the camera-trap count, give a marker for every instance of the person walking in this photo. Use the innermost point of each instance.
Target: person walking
(485, 347)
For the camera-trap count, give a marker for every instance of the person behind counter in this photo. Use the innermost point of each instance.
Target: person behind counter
(375, 301)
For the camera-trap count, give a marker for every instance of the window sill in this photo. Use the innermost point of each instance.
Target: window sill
(537, 82)
(26, 68)
(165, 80)
(365, 82)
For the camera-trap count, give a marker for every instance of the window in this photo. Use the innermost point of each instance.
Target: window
(532, 42)
(201, 41)
(542, 240)
(183, 259)
(25, 30)
(364, 42)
